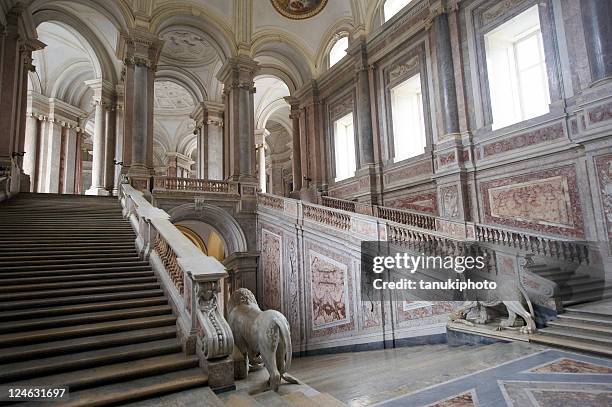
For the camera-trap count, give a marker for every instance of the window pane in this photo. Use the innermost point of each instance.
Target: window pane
(338, 51)
(408, 119)
(344, 143)
(392, 7)
(518, 82)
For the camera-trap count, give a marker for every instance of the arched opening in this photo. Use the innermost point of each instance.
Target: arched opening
(173, 130)
(273, 135)
(61, 120)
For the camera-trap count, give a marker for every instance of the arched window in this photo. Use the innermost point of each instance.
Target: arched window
(392, 7)
(338, 51)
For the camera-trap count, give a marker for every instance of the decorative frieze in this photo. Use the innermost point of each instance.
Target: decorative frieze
(542, 135)
(545, 201)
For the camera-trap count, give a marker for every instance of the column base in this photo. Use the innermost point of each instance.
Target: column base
(97, 191)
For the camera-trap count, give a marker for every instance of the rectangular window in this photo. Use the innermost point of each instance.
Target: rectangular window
(408, 119)
(344, 147)
(518, 81)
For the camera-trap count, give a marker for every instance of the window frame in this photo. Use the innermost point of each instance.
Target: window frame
(483, 114)
(403, 81)
(335, 119)
(418, 51)
(337, 37)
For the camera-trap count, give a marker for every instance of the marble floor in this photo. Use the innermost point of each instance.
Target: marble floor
(501, 374)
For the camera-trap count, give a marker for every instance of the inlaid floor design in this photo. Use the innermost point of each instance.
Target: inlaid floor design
(550, 378)
(517, 374)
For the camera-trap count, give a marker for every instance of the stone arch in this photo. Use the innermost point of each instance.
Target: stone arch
(103, 63)
(204, 20)
(118, 12)
(217, 218)
(341, 29)
(183, 78)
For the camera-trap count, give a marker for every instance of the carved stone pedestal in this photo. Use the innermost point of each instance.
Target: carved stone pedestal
(221, 375)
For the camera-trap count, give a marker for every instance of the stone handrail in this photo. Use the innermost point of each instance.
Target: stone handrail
(327, 216)
(403, 216)
(417, 229)
(191, 279)
(194, 184)
(545, 246)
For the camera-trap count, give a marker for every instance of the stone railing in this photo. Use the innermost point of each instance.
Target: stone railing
(326, 216)
(403, 216)
(545, 246)
(194, 184)
(271, 201)
(190, 279)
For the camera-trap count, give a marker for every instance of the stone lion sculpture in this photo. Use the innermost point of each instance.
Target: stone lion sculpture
(260, 335)
(476, 311)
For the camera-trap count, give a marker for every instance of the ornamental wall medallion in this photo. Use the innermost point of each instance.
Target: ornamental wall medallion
(299, 9)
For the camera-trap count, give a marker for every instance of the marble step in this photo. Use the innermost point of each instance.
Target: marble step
(79, 299)
(581, 327)
(67, 255)
(590, 318)
(74, 277)
(600, 340)
(568, 292)
(78, 259)
(65, 236)
(200, 397)
(563, 276)
(582, 298)
(95, 263)
(55, 348)
(33, 295)
(138, 389)
(588, 313)
(12, 247)
(82, 360)
(17, 242)
(54, 334)
(81, 308)
(74, 272)
(76, 283)
(83, 318)
(116, 373)
(572, 344)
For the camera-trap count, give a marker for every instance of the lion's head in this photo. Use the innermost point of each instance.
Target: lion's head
(241, 296)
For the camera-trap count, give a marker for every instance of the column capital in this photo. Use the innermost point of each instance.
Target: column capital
(260, 136)
(104, 91)
(238, 72)
(140, 47)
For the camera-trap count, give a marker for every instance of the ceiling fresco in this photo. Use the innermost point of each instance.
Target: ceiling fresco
(299, 9)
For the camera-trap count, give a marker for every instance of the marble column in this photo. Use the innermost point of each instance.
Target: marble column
(596, 21)
(18, 42)
(53, 156)
(140, 51)
(237, 75)
(70, 160)
(446, 75)
(109, 148)
(200, 131)
(97, 170)
(296, 156)
(214, 141)
(260, 145)
(119, 144)
(9, 82)
(364, 113)
(31, 149)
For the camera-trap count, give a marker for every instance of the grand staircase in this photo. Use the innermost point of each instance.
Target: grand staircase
(586, 321)
(78, 308)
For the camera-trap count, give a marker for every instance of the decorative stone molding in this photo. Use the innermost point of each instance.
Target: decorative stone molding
(216, 336)
(238, 72)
